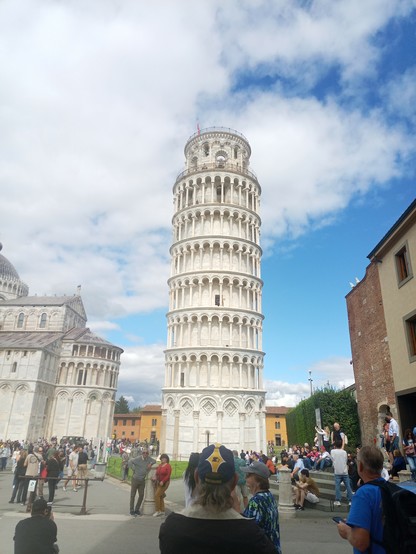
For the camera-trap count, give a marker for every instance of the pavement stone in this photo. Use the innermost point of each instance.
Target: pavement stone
(108, 528)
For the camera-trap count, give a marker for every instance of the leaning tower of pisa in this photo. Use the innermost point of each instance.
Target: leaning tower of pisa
(213, 389)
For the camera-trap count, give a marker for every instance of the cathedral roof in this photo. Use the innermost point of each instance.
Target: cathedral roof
(7, 269)
(40, 301)
(27, 339)
(86, 336)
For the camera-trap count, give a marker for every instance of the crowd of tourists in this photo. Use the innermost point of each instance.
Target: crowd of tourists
(228, 502)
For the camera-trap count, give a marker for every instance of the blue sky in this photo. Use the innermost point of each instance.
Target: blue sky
(97, 103)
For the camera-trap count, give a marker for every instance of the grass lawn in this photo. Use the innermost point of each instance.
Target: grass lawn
(114, 468)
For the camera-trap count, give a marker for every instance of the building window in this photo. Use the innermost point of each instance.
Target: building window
(217, 299)
(80, 376)
(410, 323)
(124, 423)
(20, 320)
(123, 433)
(14, 367)
(133, 422)
(154, 422)
(42, 322)
(277, 424)
(182, 379)
(278, 440)
(24, 353)
(403, 267)
(132, 433)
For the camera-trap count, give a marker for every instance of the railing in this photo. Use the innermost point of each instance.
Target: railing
(217, 130)
(223, 166)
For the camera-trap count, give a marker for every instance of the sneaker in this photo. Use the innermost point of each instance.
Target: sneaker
(133, 514)
(137, 513)
(296, 506)
(11, 501)
(75, 490)
(300, 508)
(337, 503)
(156, 514)
(64, 489)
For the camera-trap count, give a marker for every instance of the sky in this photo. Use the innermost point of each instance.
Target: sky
(97, 101)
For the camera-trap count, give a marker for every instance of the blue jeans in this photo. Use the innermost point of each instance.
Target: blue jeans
(326, 462)
(411, 460)
(338, 480)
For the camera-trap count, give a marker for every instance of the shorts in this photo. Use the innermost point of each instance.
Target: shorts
(312, 498)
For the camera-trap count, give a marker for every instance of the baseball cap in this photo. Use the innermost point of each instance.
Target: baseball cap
(216, 465)
(258, 468)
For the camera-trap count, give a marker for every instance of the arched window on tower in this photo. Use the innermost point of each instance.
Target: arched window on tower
(20, 320)
(206, 149)
(42, 322)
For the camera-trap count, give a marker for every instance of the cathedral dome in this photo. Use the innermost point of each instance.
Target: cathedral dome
(7, 269)
(10, 284)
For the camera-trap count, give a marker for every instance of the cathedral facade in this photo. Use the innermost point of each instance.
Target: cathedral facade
(213, 389)
(57, 378)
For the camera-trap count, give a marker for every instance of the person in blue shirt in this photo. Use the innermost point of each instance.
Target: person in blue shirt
(364, 525)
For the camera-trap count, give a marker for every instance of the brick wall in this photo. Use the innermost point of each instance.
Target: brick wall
(370, 354)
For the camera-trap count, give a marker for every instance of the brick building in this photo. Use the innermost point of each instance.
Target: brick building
(382, 324)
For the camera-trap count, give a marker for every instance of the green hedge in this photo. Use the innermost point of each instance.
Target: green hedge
(335, 406)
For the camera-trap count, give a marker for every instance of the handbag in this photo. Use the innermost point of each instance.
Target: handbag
(44, 473)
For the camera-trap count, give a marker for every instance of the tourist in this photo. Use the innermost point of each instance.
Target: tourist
(364, 524)
(241, 488)
(36, 534)
(210, 524)
(305, 489)
(189, 478)
(410, 453)
(262, 505)
(141, 466)
(340, 462)
(162, 481)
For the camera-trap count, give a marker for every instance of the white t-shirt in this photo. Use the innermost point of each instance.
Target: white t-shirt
(339, 459)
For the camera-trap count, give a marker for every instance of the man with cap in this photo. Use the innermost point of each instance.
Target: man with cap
(210, 524)
(36, 534)
(262, 505)
(140, 466)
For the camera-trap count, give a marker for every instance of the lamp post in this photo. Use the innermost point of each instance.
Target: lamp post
(310, 381)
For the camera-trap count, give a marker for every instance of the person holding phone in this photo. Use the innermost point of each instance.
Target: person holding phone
(364, 524)
(37, 534)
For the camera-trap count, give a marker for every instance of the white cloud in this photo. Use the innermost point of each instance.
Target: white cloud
(98, 100)
(142, 374)
(336, 371)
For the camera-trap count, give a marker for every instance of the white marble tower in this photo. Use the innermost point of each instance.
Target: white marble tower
(213, 388)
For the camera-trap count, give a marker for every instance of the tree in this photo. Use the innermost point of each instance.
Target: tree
(122, 406)
(335, 405)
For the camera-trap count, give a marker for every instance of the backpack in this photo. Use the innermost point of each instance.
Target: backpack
(399, 518)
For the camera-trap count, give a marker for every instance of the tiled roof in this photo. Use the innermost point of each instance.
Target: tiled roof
(152, 408)
(277, 410)
(84, 335)
(39, 301)
(24, 339)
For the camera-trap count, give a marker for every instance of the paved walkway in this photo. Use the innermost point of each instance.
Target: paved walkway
(108, 528)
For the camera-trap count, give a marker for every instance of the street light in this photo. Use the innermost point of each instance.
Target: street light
(310, 381)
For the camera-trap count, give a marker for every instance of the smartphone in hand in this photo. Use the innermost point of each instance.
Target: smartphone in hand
(338, 519)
